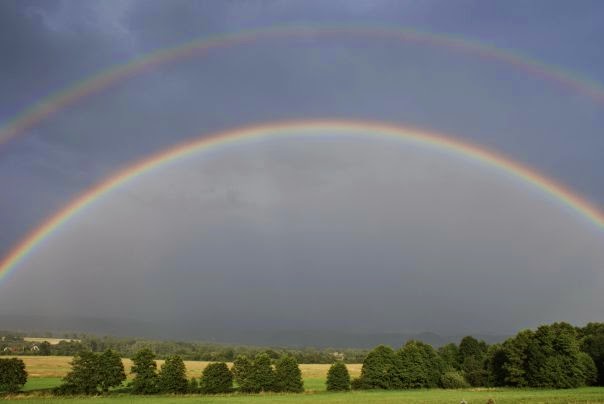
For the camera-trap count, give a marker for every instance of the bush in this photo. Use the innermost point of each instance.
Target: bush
(12, 375)
(145, 371)
(173, 376)
(356, 383)
(216, 379)
(288, 377)
(193, 386)
(453, 380)
(338, 378)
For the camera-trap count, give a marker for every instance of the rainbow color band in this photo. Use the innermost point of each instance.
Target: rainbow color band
(276, 130)
(92, 85)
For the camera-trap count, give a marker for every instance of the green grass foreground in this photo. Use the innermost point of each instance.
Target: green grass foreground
(316, 393)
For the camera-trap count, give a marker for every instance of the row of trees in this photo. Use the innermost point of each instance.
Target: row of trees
(12, 343)
(554, 356)
(94, 373)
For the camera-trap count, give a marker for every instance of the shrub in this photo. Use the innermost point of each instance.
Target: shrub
(173, 376)
(193, 386)
(453, 380)
(356, 383)
(12, 375)
(216, 379)
(288, 377)
(145, 371)
(338, 378)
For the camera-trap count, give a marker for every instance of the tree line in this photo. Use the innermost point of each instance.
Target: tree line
(552, 356)
(557, 355)
(96, 373)
(12, 343)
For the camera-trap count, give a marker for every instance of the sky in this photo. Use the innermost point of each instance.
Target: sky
(352, 234)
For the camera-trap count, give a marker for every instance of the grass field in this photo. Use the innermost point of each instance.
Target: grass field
(500, 396)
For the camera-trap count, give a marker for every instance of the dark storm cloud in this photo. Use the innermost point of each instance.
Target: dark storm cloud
(249, 215)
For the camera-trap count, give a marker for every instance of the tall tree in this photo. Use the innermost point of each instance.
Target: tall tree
(288, 377)
(172, 377)
(84, 377)
(419, 366)
(263, 374)
(338, 378)
(110, 370)
(144, 369)
(553, 358)
(12, 375)
(216, 378)
(379, 369)
(592, 343)
(242, 373)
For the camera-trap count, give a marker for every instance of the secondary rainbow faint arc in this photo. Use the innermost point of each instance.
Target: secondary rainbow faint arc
(318, 128)
(69, 96)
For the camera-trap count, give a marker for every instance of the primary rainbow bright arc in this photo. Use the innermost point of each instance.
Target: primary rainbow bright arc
(319, 128)
(92, 85)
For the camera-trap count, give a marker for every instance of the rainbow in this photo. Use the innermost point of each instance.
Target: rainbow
(320, 129)
(104, 79)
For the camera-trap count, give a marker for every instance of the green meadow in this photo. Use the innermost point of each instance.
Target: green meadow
(499, 396)
(316, 393)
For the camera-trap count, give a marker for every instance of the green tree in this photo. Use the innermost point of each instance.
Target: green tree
(553, 358)
(172, 376)
(242, 373)
(216, 379)
(379, 369)
(84, 377)
(262, 375)
(471, 347)
(12, 375)
(450, 355)
(589, 369)
(288, 377)
(592, 343)
(338, 378)
(496, 359)
(110, 370)
(144, 369)
(516, 361)
(418, 366)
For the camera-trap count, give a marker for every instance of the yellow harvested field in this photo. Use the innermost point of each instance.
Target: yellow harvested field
(58, 366)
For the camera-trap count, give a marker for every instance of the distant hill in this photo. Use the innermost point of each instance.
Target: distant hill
(260, 337)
